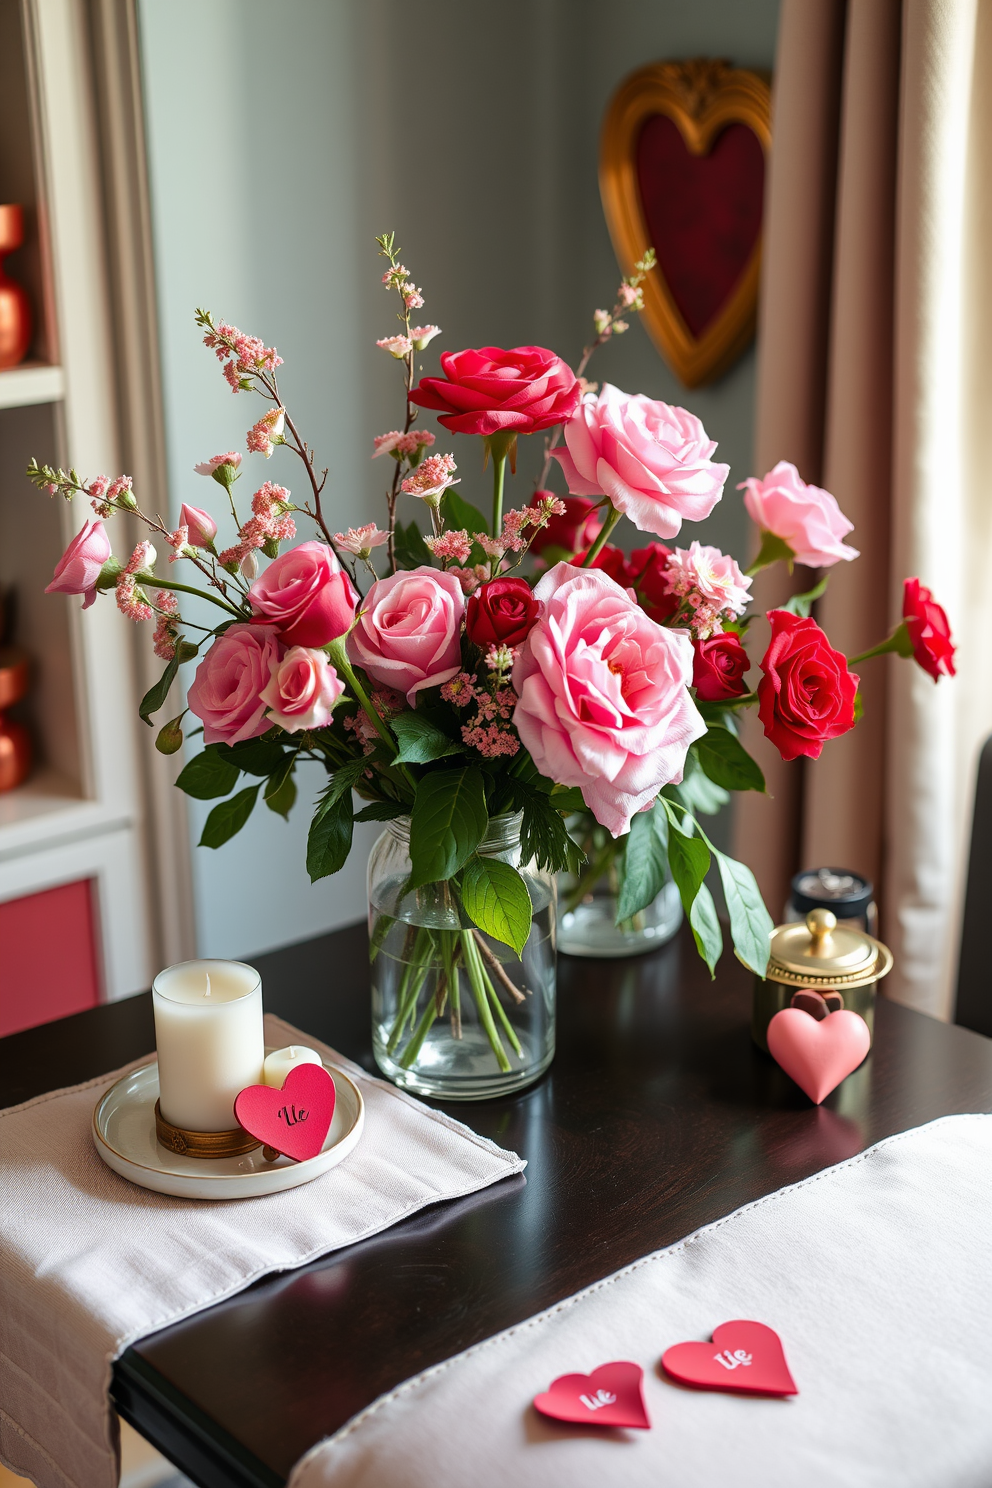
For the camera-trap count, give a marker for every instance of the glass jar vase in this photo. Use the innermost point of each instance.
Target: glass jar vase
(457, 1014)
(589, 902)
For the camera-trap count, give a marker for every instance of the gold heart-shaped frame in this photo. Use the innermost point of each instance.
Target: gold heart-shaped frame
(701, 97)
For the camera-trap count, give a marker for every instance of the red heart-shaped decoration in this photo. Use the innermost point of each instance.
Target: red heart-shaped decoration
(818, 1054)
(610, 1396)
(294, 1120)
(743, 1356)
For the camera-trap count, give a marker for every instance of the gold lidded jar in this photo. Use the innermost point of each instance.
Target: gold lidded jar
(838, 962)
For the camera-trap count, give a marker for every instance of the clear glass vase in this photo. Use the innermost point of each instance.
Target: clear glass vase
(456, 1014)
(588, 904)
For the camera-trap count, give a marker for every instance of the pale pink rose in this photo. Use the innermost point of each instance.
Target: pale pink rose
(603, 695)
(208, 467)
(307, 594)
(201, 529)
(226, 693)
(805, 517)
(651, 460)
(302, 690)
(79, 567)
(712, 574)
(408, 636)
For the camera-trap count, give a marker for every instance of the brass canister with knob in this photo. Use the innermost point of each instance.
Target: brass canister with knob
(819, 963)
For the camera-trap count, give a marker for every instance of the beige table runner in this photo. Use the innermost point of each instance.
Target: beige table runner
(877, 1274)
(89, 1263)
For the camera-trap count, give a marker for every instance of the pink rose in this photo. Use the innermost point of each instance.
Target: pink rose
(806, 518)
(79, 567)
(604, 701)
(200, 526)
(226, 693)
(409, 633)
(307, 595)
(302, 690)
(651, 460)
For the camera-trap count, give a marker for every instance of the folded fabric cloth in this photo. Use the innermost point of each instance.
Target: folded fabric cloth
(876, 1276)
(89, 1263)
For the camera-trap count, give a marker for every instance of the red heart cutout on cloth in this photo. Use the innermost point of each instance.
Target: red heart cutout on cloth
(818, 1054)
(294, 1120)
(610, 1396)
(743, 1356)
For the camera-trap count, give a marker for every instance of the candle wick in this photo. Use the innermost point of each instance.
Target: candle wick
(207, 975)
(292, 1051)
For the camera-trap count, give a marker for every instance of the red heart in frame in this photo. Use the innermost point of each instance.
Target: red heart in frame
(818, 1054)
(294, 1120)
(610, 1396)
(745, 1357)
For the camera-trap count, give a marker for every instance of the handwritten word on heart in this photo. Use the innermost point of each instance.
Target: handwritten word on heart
(610, 1396)
(744, 1356)
(818, 1054)
(294, 1120)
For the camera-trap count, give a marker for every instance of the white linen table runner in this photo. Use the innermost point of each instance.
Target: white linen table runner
(89, 1263)
(877, 1274)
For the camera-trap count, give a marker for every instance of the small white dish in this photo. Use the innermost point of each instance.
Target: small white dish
(124, 1136)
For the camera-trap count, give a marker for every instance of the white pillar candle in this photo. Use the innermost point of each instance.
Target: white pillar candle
(208, 1032)
(279, 1063)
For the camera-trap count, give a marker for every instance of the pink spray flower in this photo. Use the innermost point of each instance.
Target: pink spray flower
(651, 460)
(79, 567)
(226, 693)
(307, 595)
(397, 346)
(361, 540)
(211, 466)
(263, 437)
(201, 529)
(603, 695)
(408, 635)
(431, 478)
(302, 690)
(806, 518)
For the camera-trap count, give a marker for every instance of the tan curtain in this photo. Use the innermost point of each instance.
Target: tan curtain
(874, 381)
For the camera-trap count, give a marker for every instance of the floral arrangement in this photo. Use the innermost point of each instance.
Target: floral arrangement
(434, 678)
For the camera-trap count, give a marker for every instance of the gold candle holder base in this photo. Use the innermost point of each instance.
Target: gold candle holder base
(203, 1144)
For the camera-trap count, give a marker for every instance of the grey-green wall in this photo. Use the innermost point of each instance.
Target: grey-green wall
(281, 138)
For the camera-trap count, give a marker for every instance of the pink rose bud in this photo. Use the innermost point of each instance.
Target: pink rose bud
(806, 518)
(408, 637)
(307, 595)
(226, 693)
(302, 690)
(79, 567)
(200, 525)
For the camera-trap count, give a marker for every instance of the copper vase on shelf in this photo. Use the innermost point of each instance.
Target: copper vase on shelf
(15, 741)
(15, 307)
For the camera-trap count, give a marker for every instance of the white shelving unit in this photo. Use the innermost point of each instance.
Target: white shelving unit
(20, 387)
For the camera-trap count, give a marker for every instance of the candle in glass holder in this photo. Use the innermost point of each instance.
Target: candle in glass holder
(208, 1032)
(279, 1063)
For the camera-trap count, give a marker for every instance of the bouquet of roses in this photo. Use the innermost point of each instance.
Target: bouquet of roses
(434, 680)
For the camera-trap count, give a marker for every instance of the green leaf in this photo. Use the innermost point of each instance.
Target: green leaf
(381, 811)
(329, 838)
(155, 697)
(644, 869)
(773, 549)
(447, 823)
(706, 928)
(568, 798)
(496, 897)
(727, 763)
(280, 789)
(859, 706)
(208, 775)
(254, 756)
(457, 512)
(420, 740)
(688, 858)
(802, 604)
(343, 779)
(543, 834)
(697, 791)
(227, 819)
(411, 550)
(750, 923)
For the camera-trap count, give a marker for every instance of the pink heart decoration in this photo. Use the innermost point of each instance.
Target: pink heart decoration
(610, 1396)
(294, 1120)
(818, 1054)
(744, 1356)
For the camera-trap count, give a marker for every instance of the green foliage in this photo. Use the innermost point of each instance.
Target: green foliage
(773, 550)
(329, 838)
(420, 739)
(706, 928)
(344, 779)
(411, 550)
(254, 756)
(802, 604)
(155, 697)
(459, 513)
(568, 798)
(227, 819)
(643, 865)
(750, 923)
(280, 789)
(697, 793)
(688, 858)
(727, 763)
(381, 811)
(208, 775)
(447, 823)
(543, 835)
(496, 898)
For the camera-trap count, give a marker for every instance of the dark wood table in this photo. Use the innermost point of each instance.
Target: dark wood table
(656, 1117)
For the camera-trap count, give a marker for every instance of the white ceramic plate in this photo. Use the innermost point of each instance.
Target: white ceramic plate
(124, 1135)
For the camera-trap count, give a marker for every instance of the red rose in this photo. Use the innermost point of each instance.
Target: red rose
(611, 560)
(718, 667)
(647, 569)
(489, 391)
(501, 613)
(576, 529)
(928, 629)
(806, 695)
